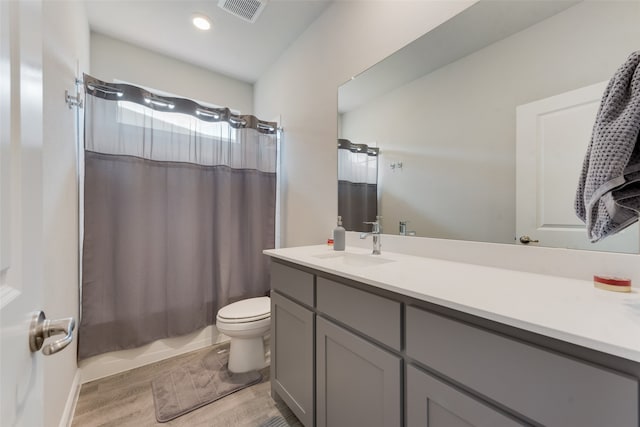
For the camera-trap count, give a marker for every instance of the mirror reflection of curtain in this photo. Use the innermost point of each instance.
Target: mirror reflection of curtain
(179, 204)
(357, 185)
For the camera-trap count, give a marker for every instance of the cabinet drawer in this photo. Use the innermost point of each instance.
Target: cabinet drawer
(370, 314)
(546, 387)
(293, 283)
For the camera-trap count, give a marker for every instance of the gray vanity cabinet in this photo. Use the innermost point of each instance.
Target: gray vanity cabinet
(433, 403)
(358, 383)
(347, 354)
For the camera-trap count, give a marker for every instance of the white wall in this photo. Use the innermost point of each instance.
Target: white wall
(301, 87)
(65, 49)
(454, 129)
(113, 59)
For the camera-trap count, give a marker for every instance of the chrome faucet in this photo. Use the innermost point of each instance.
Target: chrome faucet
(375, 234)
(404, 231)
(403, 228)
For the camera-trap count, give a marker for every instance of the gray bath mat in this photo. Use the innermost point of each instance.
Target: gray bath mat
(195, 384)
(275, 422)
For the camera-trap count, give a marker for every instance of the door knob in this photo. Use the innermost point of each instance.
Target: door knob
(42, 328)
(526, 240)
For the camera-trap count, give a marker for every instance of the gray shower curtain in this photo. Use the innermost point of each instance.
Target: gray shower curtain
(357, 203)
(177, 211)
(357, 184)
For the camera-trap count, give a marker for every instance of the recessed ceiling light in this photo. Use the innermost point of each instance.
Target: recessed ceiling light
(201, 22)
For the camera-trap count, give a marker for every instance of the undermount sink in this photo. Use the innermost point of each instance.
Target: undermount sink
(353, 260)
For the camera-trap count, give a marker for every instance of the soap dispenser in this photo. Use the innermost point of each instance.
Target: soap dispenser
(338, 236)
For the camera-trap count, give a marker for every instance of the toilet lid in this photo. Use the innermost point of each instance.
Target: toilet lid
(247, 310)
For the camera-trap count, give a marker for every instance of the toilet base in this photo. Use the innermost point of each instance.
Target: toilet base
(246, 354)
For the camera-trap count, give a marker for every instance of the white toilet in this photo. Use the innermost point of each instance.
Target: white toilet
(246, 322)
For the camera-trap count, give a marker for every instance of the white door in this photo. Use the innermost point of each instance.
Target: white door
(21, 222)
(552, 139)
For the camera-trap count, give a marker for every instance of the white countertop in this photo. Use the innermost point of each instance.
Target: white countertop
(566, 309)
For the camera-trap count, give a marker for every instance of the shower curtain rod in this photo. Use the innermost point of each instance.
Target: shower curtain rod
(126, 92)
(345, 144)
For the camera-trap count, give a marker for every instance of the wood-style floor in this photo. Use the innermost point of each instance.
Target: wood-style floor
(125, 399)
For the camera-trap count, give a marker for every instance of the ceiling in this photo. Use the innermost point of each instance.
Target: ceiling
(232, 47)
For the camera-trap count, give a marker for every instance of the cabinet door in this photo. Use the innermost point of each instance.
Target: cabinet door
(432, 403)
(358, 383)
(292, 356)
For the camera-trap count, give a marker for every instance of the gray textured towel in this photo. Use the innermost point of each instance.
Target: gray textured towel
(608, 196)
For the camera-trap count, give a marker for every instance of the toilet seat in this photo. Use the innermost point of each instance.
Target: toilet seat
(246, 311)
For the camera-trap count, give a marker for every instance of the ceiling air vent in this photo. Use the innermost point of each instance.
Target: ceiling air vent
(249, 10)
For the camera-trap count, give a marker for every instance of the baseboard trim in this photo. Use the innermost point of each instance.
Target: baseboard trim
(72, 400)
(116, 362)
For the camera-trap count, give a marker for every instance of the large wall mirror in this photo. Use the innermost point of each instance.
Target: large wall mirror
(479, 128)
